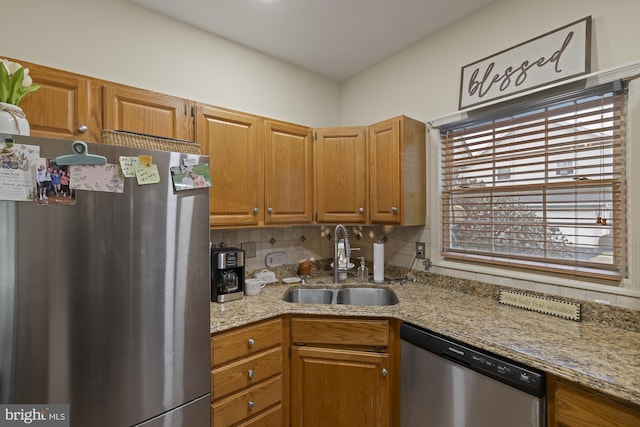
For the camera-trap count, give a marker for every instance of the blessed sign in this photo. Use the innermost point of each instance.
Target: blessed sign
(558, 55)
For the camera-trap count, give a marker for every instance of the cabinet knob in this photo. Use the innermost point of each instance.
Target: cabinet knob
(270, 211)
(250, 373)
(251, 342)
(255, 211)
(384, 372)
(251, 404)
(394, 210)
(83, 129)
(361, 210)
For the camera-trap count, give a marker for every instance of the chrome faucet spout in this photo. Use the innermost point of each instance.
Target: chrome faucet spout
(339, 254)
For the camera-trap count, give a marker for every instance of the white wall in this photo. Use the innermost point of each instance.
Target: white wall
(119, 41)
(423, 81)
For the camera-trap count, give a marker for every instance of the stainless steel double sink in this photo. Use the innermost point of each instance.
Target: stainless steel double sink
(353, 296)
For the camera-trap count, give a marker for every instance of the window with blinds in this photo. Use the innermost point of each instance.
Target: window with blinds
(542, 189)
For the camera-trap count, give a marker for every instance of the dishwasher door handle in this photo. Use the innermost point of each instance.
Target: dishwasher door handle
(455, 358)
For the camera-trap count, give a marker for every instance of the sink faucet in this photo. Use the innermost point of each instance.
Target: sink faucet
(338, 254)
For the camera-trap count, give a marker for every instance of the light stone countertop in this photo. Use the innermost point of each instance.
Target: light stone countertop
(598, 355)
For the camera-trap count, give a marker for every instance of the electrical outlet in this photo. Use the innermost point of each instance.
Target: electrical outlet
(421, 250)
(249, 249)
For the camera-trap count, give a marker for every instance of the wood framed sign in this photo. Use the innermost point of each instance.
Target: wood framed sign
(558, 55)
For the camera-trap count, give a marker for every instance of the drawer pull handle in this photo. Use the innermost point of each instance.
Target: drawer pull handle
(384, 372)
(250, 373)
(251, 404)
(251, 342)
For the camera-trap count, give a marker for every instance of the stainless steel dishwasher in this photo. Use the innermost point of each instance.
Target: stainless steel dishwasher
(445, 383)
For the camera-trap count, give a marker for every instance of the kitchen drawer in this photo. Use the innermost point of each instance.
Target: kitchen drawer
(270, 418)
(353, 332)
(240, 406)
(248, 340)
(245, 372)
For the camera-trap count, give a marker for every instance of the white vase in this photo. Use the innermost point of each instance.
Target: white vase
(13, 120)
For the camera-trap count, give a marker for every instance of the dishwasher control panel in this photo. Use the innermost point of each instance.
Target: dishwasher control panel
(510, 372)
(503, 369)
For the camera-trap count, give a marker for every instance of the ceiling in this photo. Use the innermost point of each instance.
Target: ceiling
(335, 38)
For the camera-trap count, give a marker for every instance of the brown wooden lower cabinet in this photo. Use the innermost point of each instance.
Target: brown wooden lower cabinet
(573, 405)
(247, 376)
(245, 404)
(333, 387)
(270, 418)
(343, 372)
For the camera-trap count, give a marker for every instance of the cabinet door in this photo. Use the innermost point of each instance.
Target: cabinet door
(573, 405)
(142, 111)
(384, 172)
(288, 173)
(66, 106)
(397, 172)
(332, 387)
(232, 141)
(341, 175)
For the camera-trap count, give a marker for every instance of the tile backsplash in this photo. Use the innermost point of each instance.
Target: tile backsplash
(315, 242)
(309, 243)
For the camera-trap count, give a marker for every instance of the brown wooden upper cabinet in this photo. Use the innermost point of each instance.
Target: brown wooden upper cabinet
(341, 175)
(143, 111)
(397, 172)
(234, 144)
(288, 173)
(72, 106)
(67, 105)
(374, 174)
(263, 171)
(261, 168)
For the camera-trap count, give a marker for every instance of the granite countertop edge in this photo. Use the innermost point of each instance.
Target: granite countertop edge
(599, 356)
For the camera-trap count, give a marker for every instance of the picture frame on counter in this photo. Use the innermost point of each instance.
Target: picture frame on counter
(558, 55)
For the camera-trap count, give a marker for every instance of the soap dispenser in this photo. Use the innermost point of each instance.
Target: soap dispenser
(363, 271)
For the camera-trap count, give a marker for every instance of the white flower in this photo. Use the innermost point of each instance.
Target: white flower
(15, 82)
(13, 67)
(26, 79)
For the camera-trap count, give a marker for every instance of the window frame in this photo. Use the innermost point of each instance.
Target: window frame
(524, 263)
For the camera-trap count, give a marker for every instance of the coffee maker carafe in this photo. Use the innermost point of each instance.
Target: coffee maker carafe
(227, 274)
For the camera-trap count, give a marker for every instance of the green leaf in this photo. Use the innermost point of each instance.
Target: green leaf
(26, 90)
(4, 84)
(15, 85)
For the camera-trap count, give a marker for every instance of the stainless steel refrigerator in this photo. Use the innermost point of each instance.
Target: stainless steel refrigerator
(104, 304)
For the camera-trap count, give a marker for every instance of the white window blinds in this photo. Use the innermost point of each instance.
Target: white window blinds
(541, 189)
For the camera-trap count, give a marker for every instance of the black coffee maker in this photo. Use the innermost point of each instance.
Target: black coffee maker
(227, 274)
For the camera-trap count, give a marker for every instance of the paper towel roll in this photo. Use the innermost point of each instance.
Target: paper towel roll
(378, 262)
